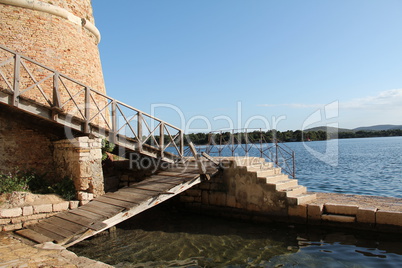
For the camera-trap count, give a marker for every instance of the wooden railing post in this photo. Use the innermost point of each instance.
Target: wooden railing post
(139, 131)
(56, 93)
(88, 109)
(113, 139)
(201, 168)
(181, 143)
(56, 105)
(162, 138)
(17, 65)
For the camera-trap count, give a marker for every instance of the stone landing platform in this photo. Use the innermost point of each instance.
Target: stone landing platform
(356, 211)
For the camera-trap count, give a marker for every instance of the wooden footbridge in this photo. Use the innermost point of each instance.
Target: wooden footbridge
(28, 86)
(68, 228)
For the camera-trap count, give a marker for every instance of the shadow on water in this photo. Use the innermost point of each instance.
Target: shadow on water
(165, 237)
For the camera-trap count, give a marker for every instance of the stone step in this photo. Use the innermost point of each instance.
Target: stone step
(283, 184)
(249, 161)
(266, 172)
(338, 218)
(265, 166)
(301, 199)
(295, 191)
(274, 178)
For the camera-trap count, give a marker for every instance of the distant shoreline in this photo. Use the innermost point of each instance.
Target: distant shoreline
(294, 136)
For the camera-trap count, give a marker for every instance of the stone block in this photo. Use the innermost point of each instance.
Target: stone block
(193, 192)
(17, 220)
(230, 201)
(12, 227)
(205, 197)
(96, 154)
(85, 169)
(299, 211)
(82, 196)
(84, 202)
(44, 208)
(186, 199)
(314, 212)
(253, 207)
(217, 198)
(366, 215)
(5, 221)
(389, 217)
(61, 206)
(217, 186)
(10, 212)
(26, 211)
(74, 204)
(341, 209)
(205, 185)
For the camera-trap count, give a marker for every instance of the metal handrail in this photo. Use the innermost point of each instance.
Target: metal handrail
(25, 78)
(240, 143)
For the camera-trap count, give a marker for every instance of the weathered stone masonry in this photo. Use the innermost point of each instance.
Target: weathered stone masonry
(81, 159)
(44, 150)
(54, 41)
(19, 217)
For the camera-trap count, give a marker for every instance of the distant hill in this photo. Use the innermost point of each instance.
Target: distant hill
(378, 128)
(329, 129)
(371, 128)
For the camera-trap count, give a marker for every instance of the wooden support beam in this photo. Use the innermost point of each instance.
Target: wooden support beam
(17, 69)
(209, 158)
(201, 167)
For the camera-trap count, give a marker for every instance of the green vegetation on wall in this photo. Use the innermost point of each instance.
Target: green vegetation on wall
(30, 182)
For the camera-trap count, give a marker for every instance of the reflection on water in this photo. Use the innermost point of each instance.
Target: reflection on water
(162, 237)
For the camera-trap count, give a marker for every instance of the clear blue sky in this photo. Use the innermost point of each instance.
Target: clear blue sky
(255, 62)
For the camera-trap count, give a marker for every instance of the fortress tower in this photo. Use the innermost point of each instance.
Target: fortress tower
(59, 34)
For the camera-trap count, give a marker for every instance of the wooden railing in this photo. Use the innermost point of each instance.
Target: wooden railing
(35, 88)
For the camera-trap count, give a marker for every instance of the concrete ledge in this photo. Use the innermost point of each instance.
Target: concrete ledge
(366, 215)
(314, 212)
(384, 217)
(331, 208)
(298, 213)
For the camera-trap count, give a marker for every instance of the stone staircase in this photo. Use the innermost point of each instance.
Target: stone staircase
(277, 181)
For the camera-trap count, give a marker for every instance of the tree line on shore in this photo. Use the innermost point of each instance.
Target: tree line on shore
(285, 136)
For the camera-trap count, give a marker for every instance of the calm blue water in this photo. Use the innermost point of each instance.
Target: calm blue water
(369, 166)
(164, 237)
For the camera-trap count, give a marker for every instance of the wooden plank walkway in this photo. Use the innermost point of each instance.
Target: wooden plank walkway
(71, 227)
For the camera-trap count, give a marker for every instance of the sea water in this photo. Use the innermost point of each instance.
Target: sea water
(165, 237)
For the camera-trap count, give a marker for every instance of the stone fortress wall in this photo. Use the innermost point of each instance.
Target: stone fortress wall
(59, 34)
